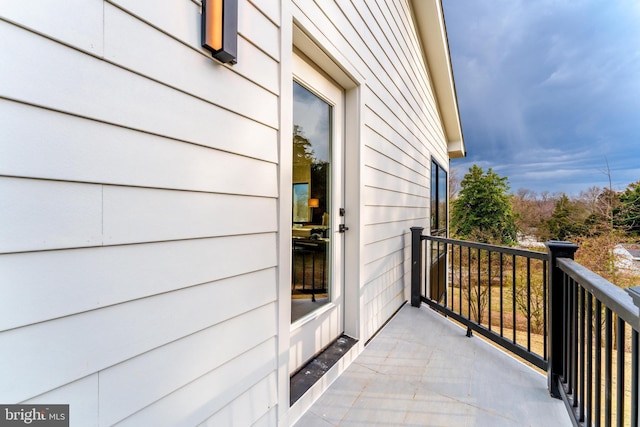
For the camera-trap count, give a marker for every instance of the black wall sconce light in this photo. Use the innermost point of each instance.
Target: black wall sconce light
(220, 29)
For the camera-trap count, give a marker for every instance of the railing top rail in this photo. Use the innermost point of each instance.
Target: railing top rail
(615, 298)
(494, 248)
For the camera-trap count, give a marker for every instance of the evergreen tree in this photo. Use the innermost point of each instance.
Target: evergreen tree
(627, 213)
(566, 220)
(483, 211)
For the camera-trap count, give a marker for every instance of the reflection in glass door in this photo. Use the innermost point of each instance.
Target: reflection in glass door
(311, 228)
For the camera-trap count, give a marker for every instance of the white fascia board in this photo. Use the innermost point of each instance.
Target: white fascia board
(432, 32)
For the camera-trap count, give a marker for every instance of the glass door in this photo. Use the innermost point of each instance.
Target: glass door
(316, 244)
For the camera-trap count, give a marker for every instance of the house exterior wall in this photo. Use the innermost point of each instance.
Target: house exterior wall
(400, 132)
(140, 207)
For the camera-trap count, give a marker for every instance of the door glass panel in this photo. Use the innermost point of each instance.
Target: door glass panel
(311, 237)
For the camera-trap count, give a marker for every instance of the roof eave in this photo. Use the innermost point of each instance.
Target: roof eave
(431, 28)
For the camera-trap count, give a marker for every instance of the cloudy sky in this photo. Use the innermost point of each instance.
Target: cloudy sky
(548, 90)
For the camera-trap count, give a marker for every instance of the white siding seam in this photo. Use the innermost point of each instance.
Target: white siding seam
(396, 177)
(102, 215)
(196, 379)
(144, 297)
(149, 242)
(256, 7)
(395, 192)
(103, 184)
(275, 162)
(235, 397)
(48, 37)
(212, 325)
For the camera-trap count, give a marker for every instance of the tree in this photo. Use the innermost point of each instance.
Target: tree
(627, 212)
(483, 210)
(567, 220)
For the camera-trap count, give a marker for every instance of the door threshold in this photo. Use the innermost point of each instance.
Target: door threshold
(310, 373)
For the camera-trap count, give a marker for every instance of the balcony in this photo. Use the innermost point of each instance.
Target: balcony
(564, 345)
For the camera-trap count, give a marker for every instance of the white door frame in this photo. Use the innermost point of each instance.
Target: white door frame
(299, 33)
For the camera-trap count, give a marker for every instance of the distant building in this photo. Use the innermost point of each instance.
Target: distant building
(628, 257)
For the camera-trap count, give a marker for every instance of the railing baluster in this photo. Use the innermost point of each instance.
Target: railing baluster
(598, 384)
(460, 282)
(469, 285)
(450, 295)
(529, 304)
(574, 342)
(545, 350)
(620, 372)
(489, 288)
(589, 394)
(479, 294)
(581, 344)
(634, 377)
(608, 363)
(513, 295)
(501, 296)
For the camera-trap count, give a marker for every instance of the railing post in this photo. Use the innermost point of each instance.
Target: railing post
(416, 264)
(556, 308)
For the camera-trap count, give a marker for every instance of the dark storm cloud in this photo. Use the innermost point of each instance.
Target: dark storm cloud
(548, 91)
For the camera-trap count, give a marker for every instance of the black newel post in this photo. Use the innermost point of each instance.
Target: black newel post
(556, 307)
(416, 264)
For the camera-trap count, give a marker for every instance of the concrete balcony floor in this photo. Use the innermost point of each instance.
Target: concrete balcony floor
(421, 370)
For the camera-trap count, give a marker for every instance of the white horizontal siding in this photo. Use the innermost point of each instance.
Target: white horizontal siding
(99, 277)
(46, 355)
(377, 232)
(77, 23)
(394, 167)
(195, 402)
(66, 147)
(255, 26)
(270, 8)
(382, 197)
(82, 398)
(410, 147)
(139, 47)
(378, 178)
(247, 409)
(382, 248)
(159, 372)
(38, 214)
(75, 81)
(144, 215)
(138, 203)
(376, 268)
(383, 214)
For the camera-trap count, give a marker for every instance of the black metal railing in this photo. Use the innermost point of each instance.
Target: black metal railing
(546, 308)
(499, 292)
(597, 375)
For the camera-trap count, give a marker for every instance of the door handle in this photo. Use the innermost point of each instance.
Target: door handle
(342, 228)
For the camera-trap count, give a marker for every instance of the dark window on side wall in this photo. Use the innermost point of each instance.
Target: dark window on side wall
(438, 200)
